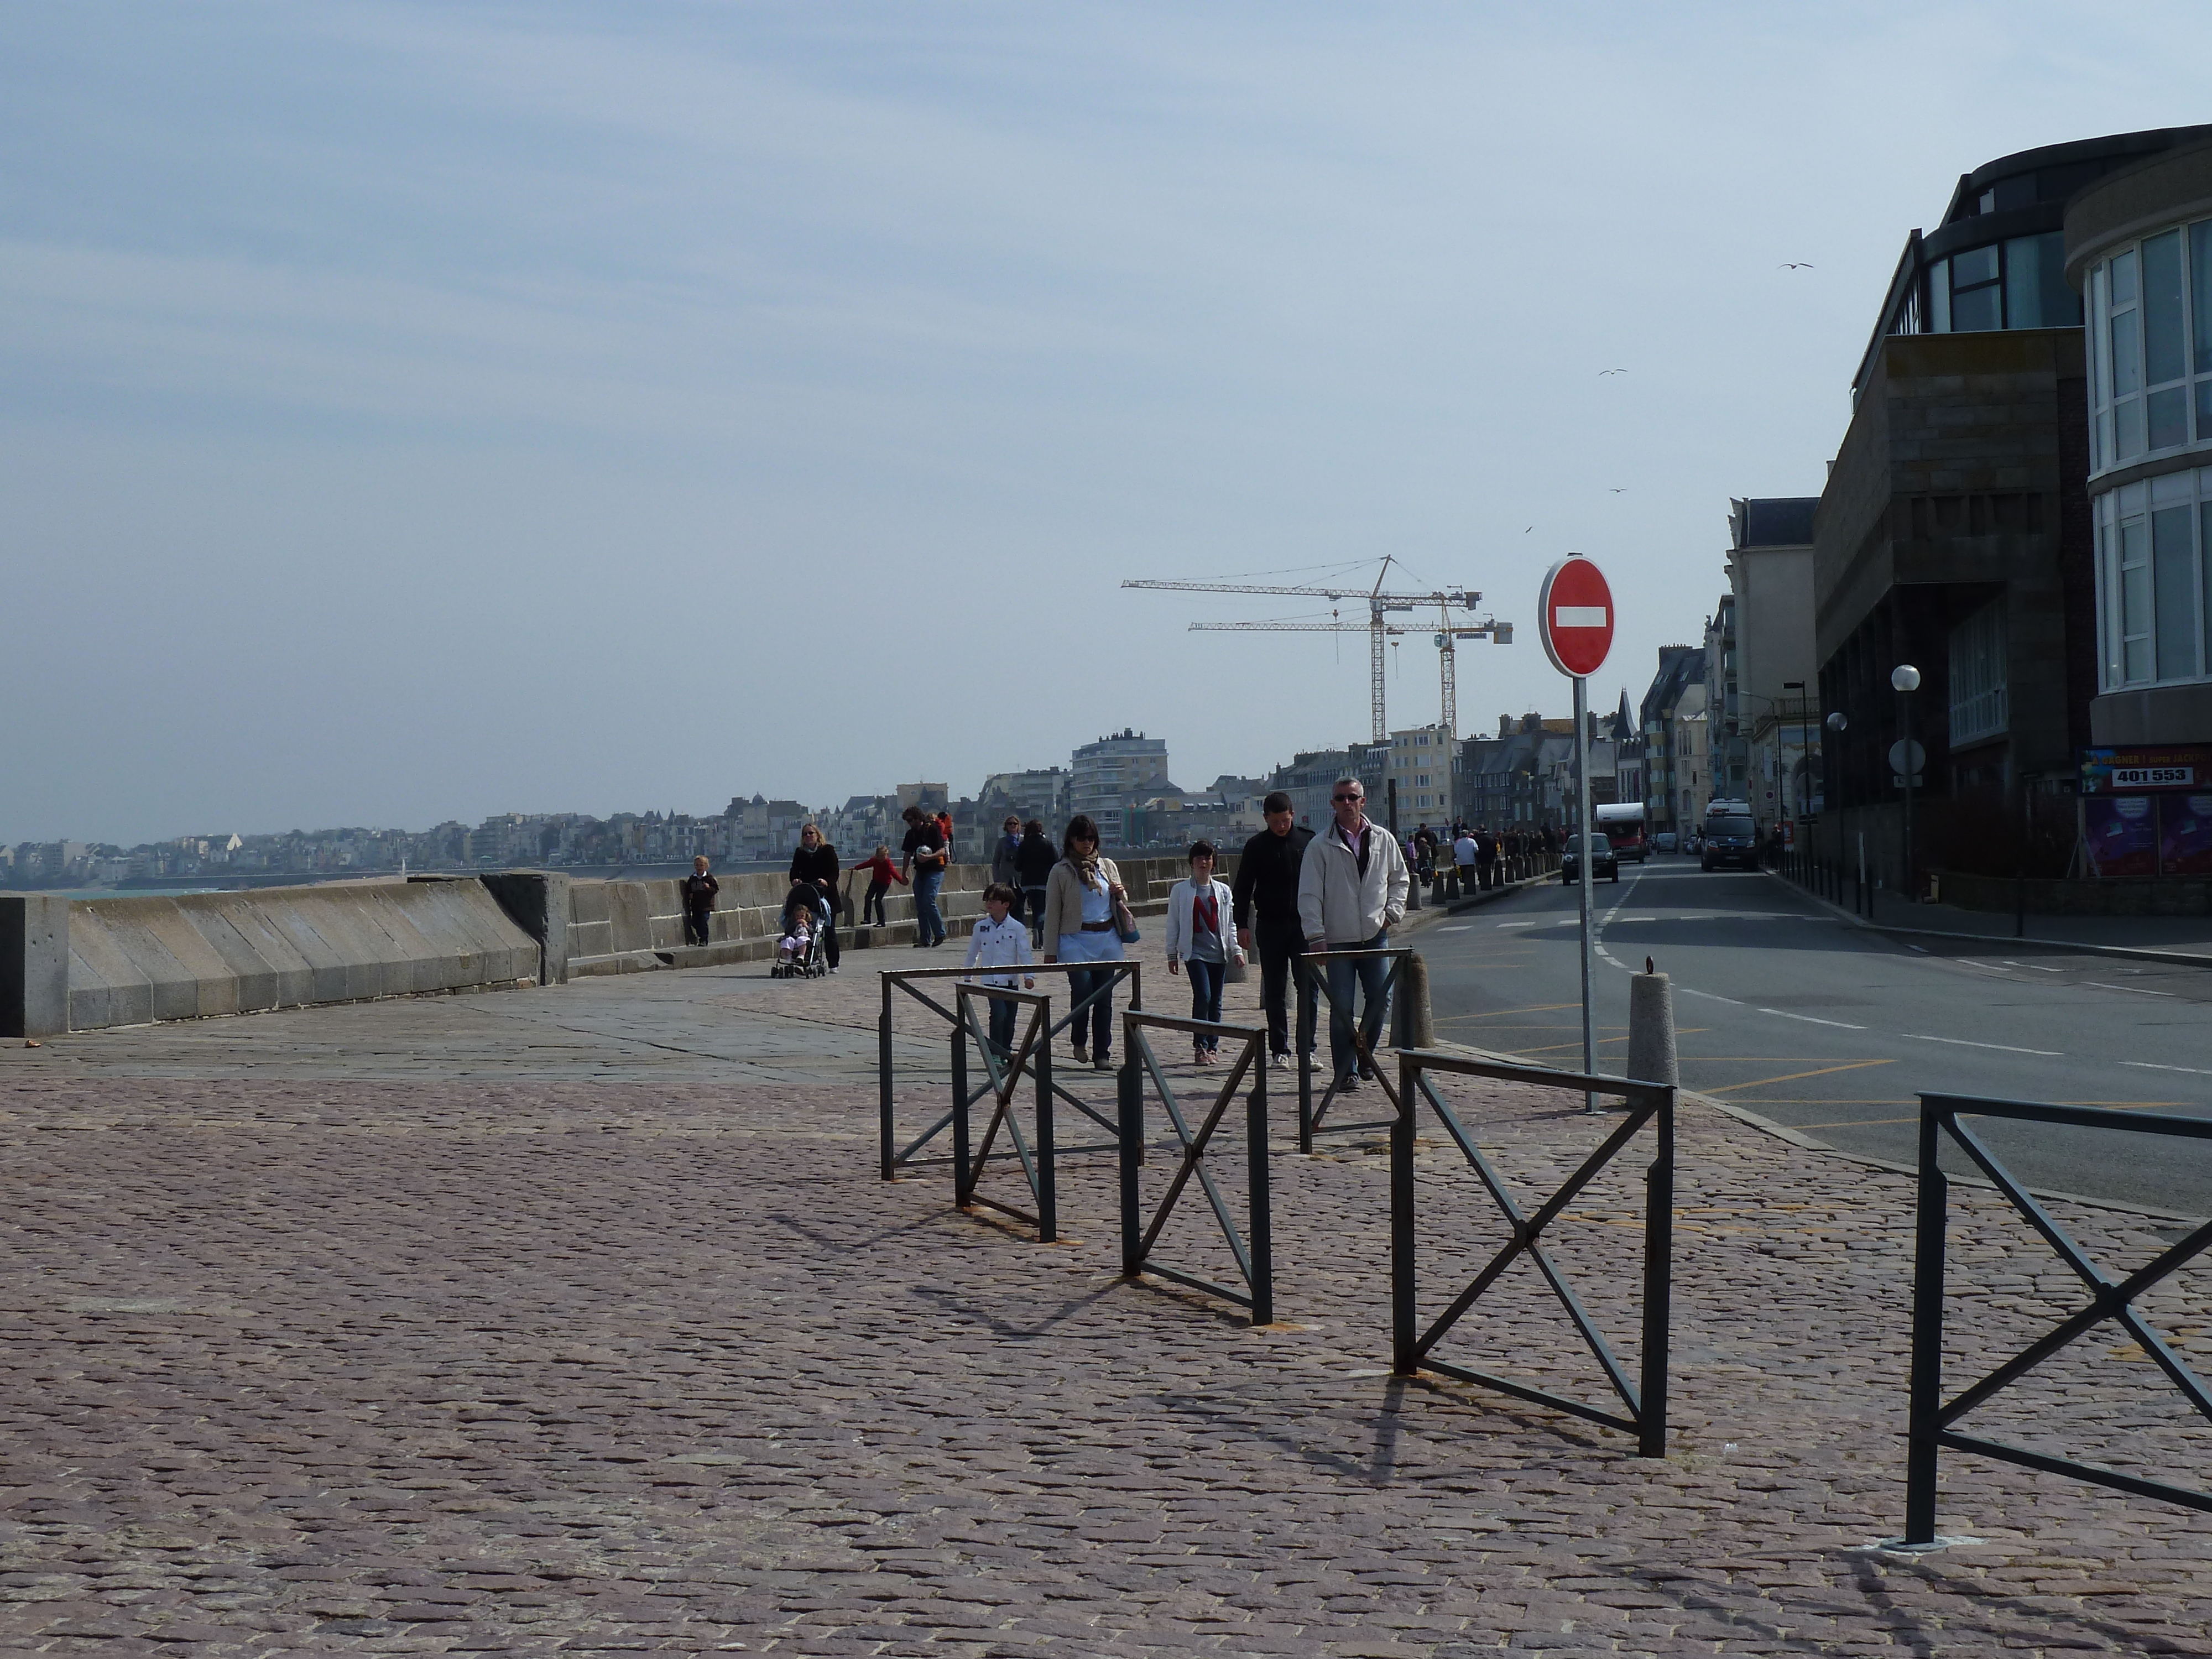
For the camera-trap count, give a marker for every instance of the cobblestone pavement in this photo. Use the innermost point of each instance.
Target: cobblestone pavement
(389, 1334)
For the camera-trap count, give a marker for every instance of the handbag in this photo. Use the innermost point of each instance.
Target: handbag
(1125, 925)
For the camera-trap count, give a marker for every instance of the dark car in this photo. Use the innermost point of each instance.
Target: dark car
(1730, 840)
(1602, 862)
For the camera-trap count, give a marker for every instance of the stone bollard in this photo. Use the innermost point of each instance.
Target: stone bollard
(1651, 1057)
(1412, 1024)
(1451, 886)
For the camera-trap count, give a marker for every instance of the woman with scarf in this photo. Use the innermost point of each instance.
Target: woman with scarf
(1080, 899)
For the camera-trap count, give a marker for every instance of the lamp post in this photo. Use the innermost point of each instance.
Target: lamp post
(1905, 680)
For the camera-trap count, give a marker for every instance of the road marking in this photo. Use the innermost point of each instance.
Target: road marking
(1534, 1008)
(1962, 1043)
(1848, 1066)
(1455, 927)
(2152, 1066)
(1516, 923)
(2137, 989)
(1840, 1025)
(1709, 996)
(2037, 966)
(1851, 1123)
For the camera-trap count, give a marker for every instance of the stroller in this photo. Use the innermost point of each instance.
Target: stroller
(804, 906)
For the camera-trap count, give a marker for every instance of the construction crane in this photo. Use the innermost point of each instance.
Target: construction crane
(1445, 641)
(1378, 601)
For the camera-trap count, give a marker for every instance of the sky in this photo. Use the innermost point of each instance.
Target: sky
(415, 412)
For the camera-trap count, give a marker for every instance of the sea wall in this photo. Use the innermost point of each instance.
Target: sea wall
(86, 964)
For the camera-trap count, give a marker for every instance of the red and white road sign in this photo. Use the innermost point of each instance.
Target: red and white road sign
(1575, 616)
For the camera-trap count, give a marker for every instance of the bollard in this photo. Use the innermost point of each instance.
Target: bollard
(1412, 1024)
(1651, 1057)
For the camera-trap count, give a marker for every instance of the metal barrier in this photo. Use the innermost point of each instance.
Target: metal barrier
(1645, 1399)
(1255, 1263)
(891, 1157)
(1927, 1430)
(1310, 1113)
(1002, 1076)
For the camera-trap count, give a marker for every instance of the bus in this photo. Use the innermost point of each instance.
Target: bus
(1623, 825)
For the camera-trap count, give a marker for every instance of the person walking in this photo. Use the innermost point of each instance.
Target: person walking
(698, 894)
(1033, 862)
(1081, 899)
(1201, 937)
(882, 873)
(1004, 853)
(1267, 908)
(1353, 889)
(926, 853)
(1467, 854)
(814, 863)
(1485, 857)
(1000, 940)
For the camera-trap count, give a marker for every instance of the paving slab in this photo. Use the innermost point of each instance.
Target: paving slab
(577, 1322)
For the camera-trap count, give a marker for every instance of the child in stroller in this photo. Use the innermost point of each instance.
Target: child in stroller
(800, 951)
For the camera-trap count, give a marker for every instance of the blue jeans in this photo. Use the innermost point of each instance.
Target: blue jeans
(1100, 1013)
(1205, 997)
(1369, 972)
(1002, 1024)
(928, 925)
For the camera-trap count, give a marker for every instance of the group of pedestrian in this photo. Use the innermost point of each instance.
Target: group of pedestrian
(1296, 892)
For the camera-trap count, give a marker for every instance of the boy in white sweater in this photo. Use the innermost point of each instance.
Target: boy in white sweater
(1002, 942)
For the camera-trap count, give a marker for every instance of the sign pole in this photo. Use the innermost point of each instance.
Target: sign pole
(1587, 858)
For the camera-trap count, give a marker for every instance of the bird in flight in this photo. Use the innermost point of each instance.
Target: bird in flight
(1621, 490)
(1603, 372)
(1530, 527)
(1795, 264)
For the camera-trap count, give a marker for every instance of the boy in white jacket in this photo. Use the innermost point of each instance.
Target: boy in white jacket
(1200, 936)
(1001, 941)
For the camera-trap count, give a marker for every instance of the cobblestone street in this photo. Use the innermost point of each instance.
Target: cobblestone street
(578, 1322)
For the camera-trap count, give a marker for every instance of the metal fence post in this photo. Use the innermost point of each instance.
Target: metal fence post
(963, 1178)
(1299, 970)
(885, 1132)
(1130, 1085)
(1658, 1287)
(1255, 1141)
(1403, 1338)
(1047, 1187)
(1927, 1382)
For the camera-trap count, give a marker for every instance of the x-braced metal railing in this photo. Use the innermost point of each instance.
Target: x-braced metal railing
(1311, 969)
(1003, 1071)
(1928, 1430)
(891, 1157)
(1645, 1401)
(1255, 1259)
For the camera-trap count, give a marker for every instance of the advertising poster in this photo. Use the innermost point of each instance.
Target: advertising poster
(2121, 834)
(2184, 840)
(2137, 771)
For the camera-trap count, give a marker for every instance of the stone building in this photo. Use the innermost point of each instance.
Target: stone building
(1954, 534)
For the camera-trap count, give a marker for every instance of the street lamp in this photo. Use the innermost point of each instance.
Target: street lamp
(1904, 678)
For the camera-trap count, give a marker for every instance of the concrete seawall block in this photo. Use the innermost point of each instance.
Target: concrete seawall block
(542, 904)
(34, 954)
(629, 917)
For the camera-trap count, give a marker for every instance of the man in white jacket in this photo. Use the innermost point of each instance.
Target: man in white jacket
(1351, 892)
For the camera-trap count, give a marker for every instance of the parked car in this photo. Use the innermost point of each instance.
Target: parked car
(1664, 841)
(1603, 865)
(1730, 840)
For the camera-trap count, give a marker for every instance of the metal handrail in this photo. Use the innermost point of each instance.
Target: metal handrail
(1928, 1430)
(1310, 1113)
(891, 1157)
(1255, 1262)
(1645, 1401)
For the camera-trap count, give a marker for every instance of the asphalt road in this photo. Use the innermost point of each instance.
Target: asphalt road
(1785, 1008)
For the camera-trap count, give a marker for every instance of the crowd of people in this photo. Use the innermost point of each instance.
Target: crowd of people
(1339, 890)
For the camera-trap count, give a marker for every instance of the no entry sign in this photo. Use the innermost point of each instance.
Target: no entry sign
(1575, 612)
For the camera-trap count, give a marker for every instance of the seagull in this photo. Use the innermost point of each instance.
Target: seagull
(1603, 372)
(1795, 264)
(1623, 490)
(1530, 527)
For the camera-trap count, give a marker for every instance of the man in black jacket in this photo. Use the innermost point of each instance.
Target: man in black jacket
(1033, 862)
(814, 863)
(1267, 908)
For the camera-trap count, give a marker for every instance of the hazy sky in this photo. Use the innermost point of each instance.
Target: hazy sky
(414, 412)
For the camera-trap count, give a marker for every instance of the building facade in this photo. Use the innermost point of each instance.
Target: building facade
(1107, 777)
(1659, 763)
(1771, 706)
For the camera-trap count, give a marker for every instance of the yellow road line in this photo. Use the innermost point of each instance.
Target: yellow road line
(1850, 1066)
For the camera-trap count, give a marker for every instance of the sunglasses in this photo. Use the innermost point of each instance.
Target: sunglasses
(1347, 798)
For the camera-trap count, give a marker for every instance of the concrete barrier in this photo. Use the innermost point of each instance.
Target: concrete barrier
(88, 964)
